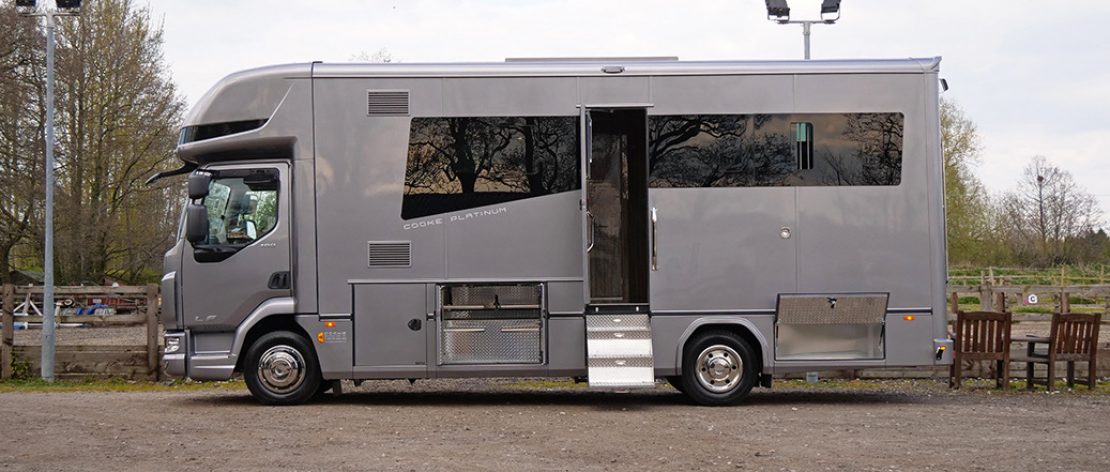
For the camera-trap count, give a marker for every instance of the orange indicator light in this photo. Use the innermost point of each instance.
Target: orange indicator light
(908, 317)
(329, 324)
(320, 337)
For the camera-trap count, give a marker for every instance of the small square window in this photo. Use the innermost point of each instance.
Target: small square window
(803, 145)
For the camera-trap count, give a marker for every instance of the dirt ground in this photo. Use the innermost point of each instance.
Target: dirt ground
(504, 425)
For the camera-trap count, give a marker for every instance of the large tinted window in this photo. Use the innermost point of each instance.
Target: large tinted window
(776, 150)
(460, 163)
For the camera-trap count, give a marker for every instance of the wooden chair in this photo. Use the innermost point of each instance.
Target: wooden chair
(982, 336)
(1074, 337)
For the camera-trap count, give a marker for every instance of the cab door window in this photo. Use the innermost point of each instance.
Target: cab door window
(242, 208)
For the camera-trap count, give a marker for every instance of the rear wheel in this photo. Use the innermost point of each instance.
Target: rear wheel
(281, 369)
(322, 390)
(718, 368)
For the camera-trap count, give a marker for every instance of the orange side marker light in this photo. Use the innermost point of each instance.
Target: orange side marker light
(320, 337)
(908, 317)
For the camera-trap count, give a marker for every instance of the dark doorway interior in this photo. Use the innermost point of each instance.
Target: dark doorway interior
(618, 206)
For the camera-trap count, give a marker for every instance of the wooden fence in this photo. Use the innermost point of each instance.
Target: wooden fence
(1009, 297)
(133, 305)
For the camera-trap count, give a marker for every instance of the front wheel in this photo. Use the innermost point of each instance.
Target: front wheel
(718, 368)
(281, 369)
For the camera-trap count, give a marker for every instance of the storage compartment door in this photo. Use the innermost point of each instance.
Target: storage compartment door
(491, 324)
(818, 327)
(389, 326)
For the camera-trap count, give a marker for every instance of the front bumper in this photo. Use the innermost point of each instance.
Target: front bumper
(173, 363)
(184, 363)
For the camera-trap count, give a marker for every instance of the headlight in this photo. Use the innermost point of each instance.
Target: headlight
(173, 344)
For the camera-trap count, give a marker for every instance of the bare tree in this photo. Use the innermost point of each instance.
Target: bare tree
(21, 133)
(1046, 211)
(380, 56)
(118, 112)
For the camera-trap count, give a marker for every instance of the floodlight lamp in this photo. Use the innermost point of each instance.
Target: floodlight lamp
(26, 7)
(777, 10)
(830, 11)
(69, 5)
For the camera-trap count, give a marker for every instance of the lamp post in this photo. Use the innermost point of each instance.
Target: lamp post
(50, 12)
(779, 12)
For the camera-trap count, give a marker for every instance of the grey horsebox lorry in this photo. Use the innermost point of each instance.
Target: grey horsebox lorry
(710, 224)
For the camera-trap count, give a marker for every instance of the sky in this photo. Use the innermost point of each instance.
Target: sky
(1018, 68)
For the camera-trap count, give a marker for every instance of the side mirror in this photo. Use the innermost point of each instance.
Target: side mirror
(196, 221)
(198, 185)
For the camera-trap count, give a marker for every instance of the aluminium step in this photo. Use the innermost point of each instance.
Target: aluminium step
(619, 352)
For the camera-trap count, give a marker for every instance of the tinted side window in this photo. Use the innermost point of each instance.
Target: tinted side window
(719, 151)
(761, 150)
(854, 149)
(460, 163)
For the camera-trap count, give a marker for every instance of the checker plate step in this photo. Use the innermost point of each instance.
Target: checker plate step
(618, 349)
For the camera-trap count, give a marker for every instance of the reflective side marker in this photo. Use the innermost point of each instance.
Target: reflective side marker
(329, 324)
(908, 317)
(320, 337)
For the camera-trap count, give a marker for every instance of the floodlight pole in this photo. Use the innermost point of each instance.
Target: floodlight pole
(49, 11)
(805, 34)
(48, 248)
(806, 24)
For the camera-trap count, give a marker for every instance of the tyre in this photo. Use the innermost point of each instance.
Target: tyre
(281, 369)
(322, 390)
(718, 368)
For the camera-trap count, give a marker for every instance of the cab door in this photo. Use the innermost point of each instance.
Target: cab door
(245, 259)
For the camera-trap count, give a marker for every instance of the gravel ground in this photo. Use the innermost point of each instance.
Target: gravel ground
(511, 426)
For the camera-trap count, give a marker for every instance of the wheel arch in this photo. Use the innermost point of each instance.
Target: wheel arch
(741, 327)
(275, 314)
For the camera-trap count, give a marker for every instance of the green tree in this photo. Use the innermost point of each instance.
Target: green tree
(966, 200)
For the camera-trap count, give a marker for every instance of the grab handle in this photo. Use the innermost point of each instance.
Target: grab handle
(590, 221)
(654, 245)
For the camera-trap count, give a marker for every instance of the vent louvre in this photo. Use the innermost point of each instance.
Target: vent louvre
(389, 254)
(387, 102)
